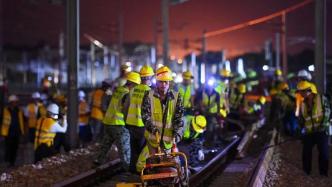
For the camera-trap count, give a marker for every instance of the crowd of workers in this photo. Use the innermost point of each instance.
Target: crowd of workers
(138, 108)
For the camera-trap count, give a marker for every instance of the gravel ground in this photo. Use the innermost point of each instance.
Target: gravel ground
(51, 170)
(286, 168)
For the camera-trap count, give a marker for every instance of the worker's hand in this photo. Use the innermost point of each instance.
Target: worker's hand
(200, 155)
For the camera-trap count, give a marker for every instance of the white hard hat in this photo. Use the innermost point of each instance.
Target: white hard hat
(36, 95)
(81, 94)
(53, 108)
(12, 98)
(305, 74)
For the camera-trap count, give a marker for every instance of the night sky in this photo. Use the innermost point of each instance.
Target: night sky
(26, 23)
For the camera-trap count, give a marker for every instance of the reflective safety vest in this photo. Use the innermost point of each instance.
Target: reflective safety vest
(210, 102)
(97, 99)
(187, 124)
(83, 110)
(34, 114)
(43, 134)
(7, 119)
(185, 92)
(313, 121)
(114, 115)
(236, 100)
(163, 125)
(134, 116)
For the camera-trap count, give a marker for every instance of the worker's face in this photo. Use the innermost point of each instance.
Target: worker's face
(147, 81)
(162, 86)
(186, 82)
(304, 93)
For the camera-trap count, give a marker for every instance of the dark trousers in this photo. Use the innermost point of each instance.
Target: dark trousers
(309, 141)
(60, 140)
(32, 132)
(137, 143)
(43, 151)
(11, 147)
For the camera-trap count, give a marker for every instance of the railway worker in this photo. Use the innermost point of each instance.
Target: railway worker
(12, 128)
(98, 105)
(223, 89)
(208, 101)
(121, 80)
(187, 92)
(162, 113)
(302, 75)
(83, 120)
(114, 123)
(134, 122)
(237, 101)
(46, 129)
(193, 140)
(314, 120)
(33, 111)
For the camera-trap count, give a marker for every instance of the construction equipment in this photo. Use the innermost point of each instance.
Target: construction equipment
(165, 168)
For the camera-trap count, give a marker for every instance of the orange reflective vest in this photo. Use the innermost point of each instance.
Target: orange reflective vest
(83, 110)
(7, 119)
(97, 99)
(43, 134)
(33, 114)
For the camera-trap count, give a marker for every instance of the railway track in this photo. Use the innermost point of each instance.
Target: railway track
(199, 177)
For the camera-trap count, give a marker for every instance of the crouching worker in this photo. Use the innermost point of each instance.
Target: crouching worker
(46, 129)
(192, 142)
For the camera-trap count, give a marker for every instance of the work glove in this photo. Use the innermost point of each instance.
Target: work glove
(200, 155)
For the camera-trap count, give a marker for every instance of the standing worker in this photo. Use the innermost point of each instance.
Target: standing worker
(46, 129)
(114, 121)
(187, 92)
(162, 113)
(134, 121)
(98, 107)
(83, 120)
(12, 128)
(33, 112)
(314, 121)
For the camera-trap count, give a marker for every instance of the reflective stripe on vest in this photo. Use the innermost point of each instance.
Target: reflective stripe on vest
(210, 102)
(114, 115)
(97, 98)
(83, 110)
(157, 113)
(313, 121)
(185, 92)
(43, 134)
(134, 116)
(7, 119)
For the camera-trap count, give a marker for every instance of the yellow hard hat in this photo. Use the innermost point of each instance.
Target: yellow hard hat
(283, 86)
(133, 77)
(164, 74)
(278, 72)
(242, 88)
(313, 88)
(304, 85)
(225, 73)
(146, 71)
(273, 91)
(187, 75)
(199, 123)
(262, 100)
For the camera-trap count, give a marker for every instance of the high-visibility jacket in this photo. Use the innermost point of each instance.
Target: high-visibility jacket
(43, 134)
(163, 125)
(134, 116)
(210, 102)
(236, 100)
(7, 119)
(96, 109)
(185, 92)
(114, 115)
(313, 121)
(83, 110)
(35, 111)
(186, 134)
